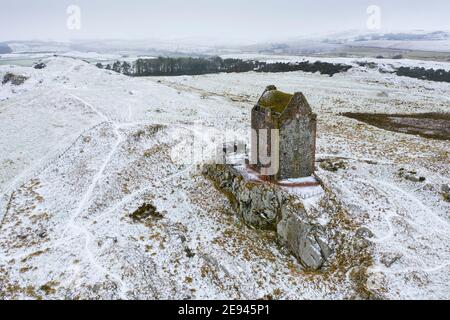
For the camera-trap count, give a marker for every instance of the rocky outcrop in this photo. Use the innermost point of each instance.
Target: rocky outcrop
(269, 207)
(258, 204)
(40, 65)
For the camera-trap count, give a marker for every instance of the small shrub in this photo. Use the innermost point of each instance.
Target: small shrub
(14, 79)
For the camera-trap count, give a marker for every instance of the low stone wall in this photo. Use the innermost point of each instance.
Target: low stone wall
(270, 207)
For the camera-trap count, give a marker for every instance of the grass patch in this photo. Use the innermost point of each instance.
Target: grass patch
(144, 212)
(427, 125)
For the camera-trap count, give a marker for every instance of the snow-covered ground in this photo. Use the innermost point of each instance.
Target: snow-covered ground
(82, 148)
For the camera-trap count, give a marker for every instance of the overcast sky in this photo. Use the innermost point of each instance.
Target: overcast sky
(228, 20)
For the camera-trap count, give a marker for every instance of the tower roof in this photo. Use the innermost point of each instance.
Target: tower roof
(275, 100)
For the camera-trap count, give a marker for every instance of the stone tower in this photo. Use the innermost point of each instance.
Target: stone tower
(295, 147)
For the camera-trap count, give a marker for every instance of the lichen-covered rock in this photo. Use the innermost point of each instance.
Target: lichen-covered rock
(332, 165)
(268, 207)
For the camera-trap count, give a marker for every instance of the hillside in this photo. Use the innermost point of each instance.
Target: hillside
(82, 149)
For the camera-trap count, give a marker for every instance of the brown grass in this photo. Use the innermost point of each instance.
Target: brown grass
(427, 125)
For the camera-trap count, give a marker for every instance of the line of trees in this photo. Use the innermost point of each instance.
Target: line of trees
(322, 67)
(165, 66)
(439, 75)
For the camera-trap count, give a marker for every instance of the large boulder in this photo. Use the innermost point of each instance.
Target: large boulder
(303, 238)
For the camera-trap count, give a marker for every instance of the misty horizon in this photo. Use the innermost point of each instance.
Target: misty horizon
(200, 20)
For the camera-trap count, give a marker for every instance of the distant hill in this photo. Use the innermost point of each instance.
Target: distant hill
(436, 36)
(437, 41)
(4, 48)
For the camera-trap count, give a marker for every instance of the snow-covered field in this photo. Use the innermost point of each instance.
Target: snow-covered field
(421, 45)
(82, 148)
(27, 59)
